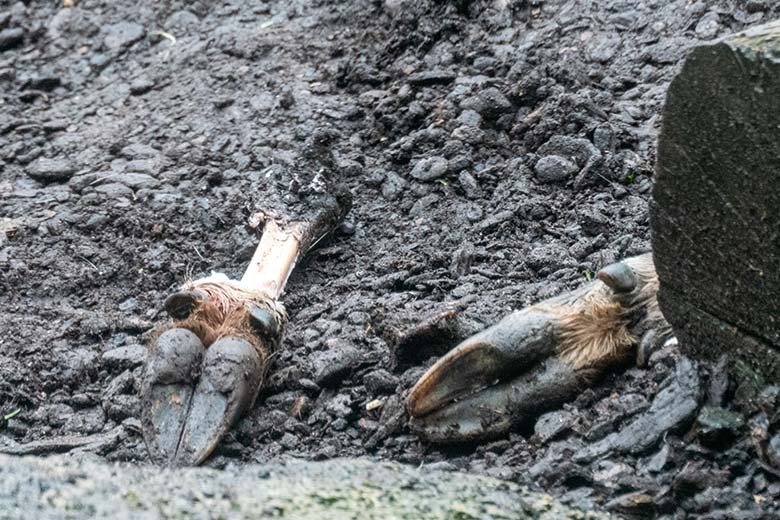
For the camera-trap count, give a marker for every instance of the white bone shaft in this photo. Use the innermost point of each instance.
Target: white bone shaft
(274, 259)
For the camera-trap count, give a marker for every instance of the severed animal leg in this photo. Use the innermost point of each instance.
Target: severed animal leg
(540, 357)
(208, 368)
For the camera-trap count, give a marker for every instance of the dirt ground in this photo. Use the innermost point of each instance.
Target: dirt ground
(137, 137)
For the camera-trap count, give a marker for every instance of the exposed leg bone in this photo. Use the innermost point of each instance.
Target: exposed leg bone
(540, 357)
(207, 370)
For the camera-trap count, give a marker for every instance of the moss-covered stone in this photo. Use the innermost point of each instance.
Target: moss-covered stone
(60, 487)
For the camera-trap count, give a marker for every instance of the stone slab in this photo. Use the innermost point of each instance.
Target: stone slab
(716, 209)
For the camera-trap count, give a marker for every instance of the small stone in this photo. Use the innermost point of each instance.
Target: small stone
(51, 170)
(137, 151)
(554, 168)
(141, 86)
(430, 168)
(489, 103)
(380, 382)
(470, 185)
(128, 305)
(708, 26)
(90, 420)
(44, 82)
(659, 460)
(718, 426)
(393, 186)
(672, 406)
(120, 407)
(332, 366)
(122, 34)
(693, 478)
(54, 414)
(115, 190)
(10, 38)
(470, 118)
(122, 358)
(633, 505)
(431, 77)
(553, 424)
(339, 406)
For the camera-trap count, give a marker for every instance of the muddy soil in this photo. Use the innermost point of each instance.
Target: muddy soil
(497, 153)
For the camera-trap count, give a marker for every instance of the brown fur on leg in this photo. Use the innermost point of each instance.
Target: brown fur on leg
(603, 326)
(594, 333)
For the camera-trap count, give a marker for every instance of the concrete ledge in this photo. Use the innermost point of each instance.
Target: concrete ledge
(60, 487)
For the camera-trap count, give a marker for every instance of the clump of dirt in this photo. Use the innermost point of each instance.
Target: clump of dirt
(497, 153)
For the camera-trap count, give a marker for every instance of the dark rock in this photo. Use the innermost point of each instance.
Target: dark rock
(51, 170)
(554, 168)
(718, 427)
(122, 34)
(719, 291)
(719, 382)
(114, 190)
(693, 477)
(333, 365)
(576, 149)
(431, 77)
(393, 186)
(76, 365)
(672, 407)
(470, 185)
(430, 168)
(380, 382)
(122, 358)
(54, 415)
(122, 406)
(490, 103)
(90, 420)
(42, 82)
(10, 38)
(553, 424)
(141, 86)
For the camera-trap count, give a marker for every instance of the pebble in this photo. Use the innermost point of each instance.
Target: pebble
(51, 170)
(553, 424)
(122, 358)
(332, 366)
(380, 382)
(554, 168)
(469, 185)
(90, 420)
(490, 103)
(393, 186)
(141, 86)
(122, 34)
(708, 26)
(718, 426)
(10, 38)
(430, 168)
(672, 406)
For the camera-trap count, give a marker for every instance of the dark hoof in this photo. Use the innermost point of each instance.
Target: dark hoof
(168, 385)
(263, 322)
(497, 353)
(495, 410)
(180, 305)
(232, 373)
